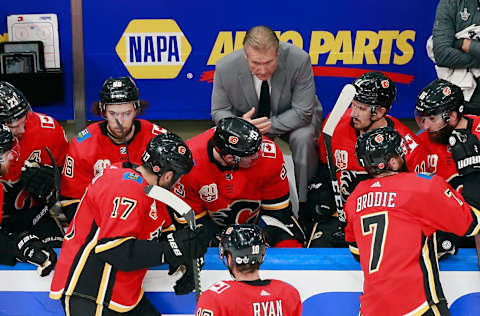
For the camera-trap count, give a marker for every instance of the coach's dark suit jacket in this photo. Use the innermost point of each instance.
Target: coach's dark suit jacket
(293, 98)
(296, 113)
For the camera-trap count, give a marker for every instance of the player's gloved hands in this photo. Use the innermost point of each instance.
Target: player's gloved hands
(182, 246)
(38, 180)
(186, 283)
(465, 148)
(348, 181)
(446, 245)
(31, 249)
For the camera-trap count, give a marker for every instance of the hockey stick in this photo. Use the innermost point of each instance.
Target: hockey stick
(344, 100)
(182, 208)
(56, 209)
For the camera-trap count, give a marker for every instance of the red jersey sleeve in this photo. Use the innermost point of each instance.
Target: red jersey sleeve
(77, 173)
(445, 209)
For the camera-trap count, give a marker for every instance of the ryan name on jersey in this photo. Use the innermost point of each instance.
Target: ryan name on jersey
(376, 199)
(268, 308)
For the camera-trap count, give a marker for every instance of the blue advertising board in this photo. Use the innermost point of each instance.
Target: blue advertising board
(329, 282)
(171, 48)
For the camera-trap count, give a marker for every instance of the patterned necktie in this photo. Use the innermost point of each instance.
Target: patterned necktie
(264, 101)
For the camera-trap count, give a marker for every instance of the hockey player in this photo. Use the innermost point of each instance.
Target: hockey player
(391, 223)
(375, 94)
(102, 143)
(242, 249)
(439, 113)
(240, 177)
(26, 246)
(29, 187)
(118, 232)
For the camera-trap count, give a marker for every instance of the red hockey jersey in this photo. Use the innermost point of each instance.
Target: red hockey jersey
(234, 196)
(440, 157)
(40, 131)
(114, 208)
(345, 137)
(391, 220)
(256, 298)
(91, 150)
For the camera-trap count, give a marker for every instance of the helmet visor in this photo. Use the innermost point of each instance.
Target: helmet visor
(431, 123)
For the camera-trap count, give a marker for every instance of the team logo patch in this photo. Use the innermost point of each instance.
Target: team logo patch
(379, 138)
(153, 211)
(182, 150)
(81, 136)
(123, 150)
(209, 192)
(381, 165)
(446, 91)
(132, 176)
(385, 84)
(233, 140)
(156, 169)
(341, 159)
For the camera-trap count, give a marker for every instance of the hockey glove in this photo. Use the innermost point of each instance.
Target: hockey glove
(31, 249)
(182, 246)
(38, 180)
(465, 151)
(186, 283)
(348, 182)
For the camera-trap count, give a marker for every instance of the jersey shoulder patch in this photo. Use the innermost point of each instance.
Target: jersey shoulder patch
(82, 135)
(132, 177)
(269, 149)
(425, 175)
(219, 287)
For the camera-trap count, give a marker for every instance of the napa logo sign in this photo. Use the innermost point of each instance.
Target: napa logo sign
(153, 49)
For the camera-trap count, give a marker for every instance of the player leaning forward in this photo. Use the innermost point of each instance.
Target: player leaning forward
(118, 232)
(391, 223)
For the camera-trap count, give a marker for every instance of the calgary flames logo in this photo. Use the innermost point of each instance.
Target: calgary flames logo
(233, 140)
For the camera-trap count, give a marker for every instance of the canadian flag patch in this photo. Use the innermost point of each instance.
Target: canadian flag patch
(269, 150)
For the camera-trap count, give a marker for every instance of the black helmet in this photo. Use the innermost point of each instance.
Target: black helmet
(168, 152)
(6, 139)
(235, 136)
(375, 148)
(375, 89)
(245, 242)
(13, 104)
(439, 97)
(119, 90)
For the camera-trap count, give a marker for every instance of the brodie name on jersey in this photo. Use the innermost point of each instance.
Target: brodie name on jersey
(374, 199)
(268, 308)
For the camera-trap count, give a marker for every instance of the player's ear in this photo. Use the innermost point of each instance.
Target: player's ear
(395, 163)
(380, 112)
(165, 179)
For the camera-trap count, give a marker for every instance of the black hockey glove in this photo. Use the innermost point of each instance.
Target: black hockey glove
(182, 246)
(38, 180)
(31, 249)
(446, 245)
(348, 182)
(186, 283)
(320, 205)
(465, 151)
